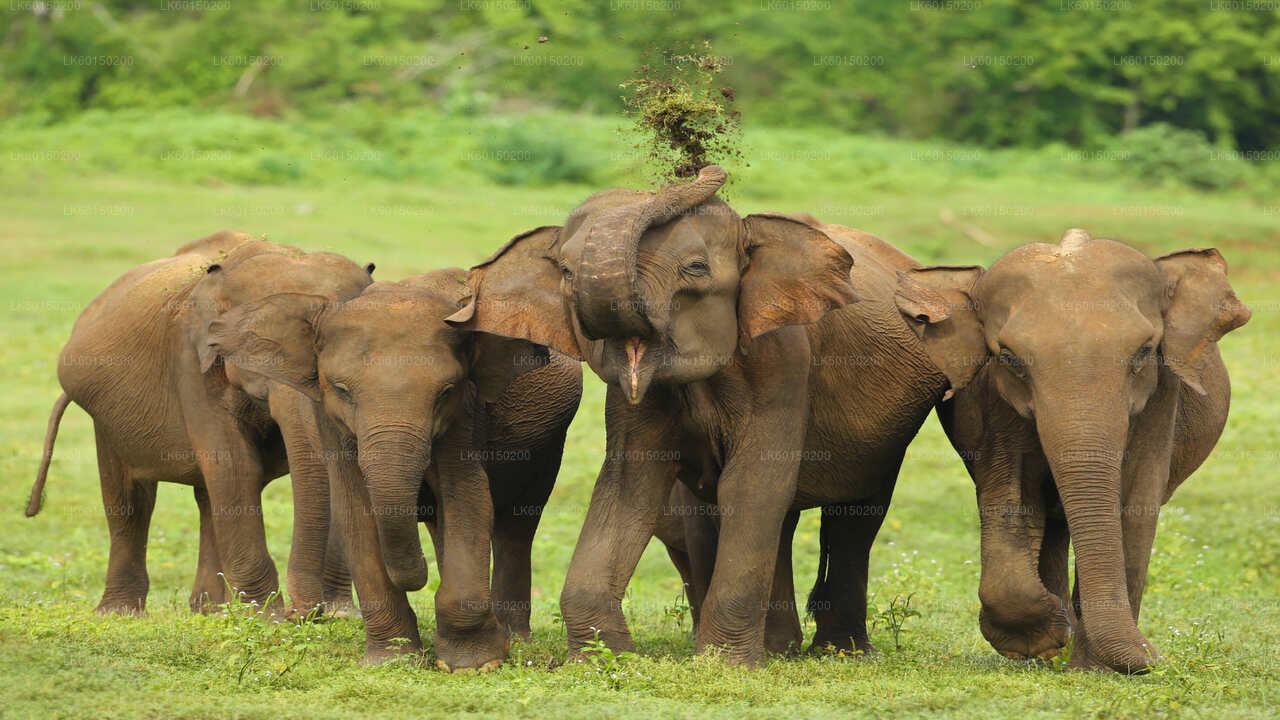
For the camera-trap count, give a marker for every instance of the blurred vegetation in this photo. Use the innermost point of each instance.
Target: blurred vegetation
(993, 72)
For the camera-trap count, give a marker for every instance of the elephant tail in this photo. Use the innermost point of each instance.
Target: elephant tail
(37, 490)
(818, 596)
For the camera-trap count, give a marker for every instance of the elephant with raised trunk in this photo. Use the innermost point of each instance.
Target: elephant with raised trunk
(167, 407)
(422, 421)
(1097, 389)
(735, 345)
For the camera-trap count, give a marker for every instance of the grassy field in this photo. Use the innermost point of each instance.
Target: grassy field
(81, 204)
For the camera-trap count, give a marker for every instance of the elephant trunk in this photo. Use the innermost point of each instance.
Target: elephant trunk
(608, 302)
(393, 463)
(1084, 441)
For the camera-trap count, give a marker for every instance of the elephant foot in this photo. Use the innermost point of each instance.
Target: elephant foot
(1038, 637)
(205, 602)
(134, 606)
(1084, 658)
(475, 649)
(842, 644)
(783, 643)
(379, 655)
(485, 668)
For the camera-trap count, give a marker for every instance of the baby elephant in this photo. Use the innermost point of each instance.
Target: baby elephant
(1096, 390)
(165, 407)
(422, 421)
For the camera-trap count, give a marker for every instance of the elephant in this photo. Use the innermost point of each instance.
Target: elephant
(166, 409)
(422, 421)
(737, 346)
(1090, 386)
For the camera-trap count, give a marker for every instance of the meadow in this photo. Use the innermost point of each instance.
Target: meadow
(82, 202)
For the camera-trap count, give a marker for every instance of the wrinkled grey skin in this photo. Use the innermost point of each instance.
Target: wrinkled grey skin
(165, 408)
(422, 421)
(738, 364)
(1098, 390)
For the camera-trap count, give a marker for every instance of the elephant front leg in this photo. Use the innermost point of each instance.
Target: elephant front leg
(468, 634)
(754, 502)
(630, 492)
(782, 634)
(338, 600)
(310, 477)
(1020, 617)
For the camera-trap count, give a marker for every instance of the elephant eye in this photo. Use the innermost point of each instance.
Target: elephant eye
(444, 393)
(1139, 359)
(343, 391)
(697, 268)
(566, 272)
(1015, 364)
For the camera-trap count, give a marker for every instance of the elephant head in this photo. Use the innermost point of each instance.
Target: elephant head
(394, 380)
(1075, 338)
(658, 288)
(243, 282)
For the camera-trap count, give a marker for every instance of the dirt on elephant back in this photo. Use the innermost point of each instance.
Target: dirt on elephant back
(684, 117)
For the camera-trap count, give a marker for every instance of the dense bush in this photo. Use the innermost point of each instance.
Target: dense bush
(1161, 153)
(996, 72)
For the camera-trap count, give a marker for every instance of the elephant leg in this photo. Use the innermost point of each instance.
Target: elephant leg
(1021, 617)
(839, 601)
(629, 494)
(234, 478)
(513, 533)
(755, 495)
(128, 505)
(701, 533)
(209, 591)
(338, 600)
(310, 477)
(468, 634)
(782, 634)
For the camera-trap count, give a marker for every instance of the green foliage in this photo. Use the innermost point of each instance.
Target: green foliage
(894, 616)
(523, 153)
(1161, 152)
(994, 72)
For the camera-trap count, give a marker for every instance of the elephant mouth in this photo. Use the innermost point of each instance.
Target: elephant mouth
(635, 351)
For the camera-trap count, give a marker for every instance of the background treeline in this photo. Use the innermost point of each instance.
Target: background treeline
(992, 72)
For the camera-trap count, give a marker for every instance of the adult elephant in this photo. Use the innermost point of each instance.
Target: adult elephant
(1101, 390)
(733, 345)
(421, 421)
(167, 408)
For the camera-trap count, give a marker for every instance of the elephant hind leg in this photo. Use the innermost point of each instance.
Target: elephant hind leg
(839, 601)
(210, 590)
(128, 505)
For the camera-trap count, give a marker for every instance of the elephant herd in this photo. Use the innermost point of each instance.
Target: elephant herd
(756, 367)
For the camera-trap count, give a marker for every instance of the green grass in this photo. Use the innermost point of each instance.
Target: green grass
(68, 225)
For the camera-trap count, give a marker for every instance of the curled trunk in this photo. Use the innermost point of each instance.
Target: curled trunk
(608, 302)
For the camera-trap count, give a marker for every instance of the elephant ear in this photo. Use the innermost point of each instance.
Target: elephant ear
(937, 304)
(1202, 308)
(516, 294)
(274, 337)
(795, 274)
